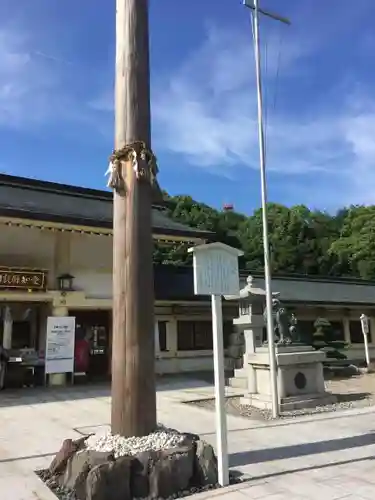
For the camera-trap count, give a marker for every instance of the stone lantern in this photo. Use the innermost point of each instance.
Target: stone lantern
(252, 301)
(250, 326)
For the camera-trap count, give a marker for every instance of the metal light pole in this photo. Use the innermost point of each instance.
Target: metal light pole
(267, 267)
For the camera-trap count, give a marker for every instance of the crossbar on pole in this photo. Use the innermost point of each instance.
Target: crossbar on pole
(268, 14)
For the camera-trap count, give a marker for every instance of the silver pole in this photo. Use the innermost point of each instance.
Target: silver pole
(267, 267)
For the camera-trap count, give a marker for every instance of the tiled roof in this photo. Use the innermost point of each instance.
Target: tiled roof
(321, 291)
(172, 282)
(51, 202)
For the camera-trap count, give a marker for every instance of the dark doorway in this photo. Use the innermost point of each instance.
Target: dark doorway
(94, 328)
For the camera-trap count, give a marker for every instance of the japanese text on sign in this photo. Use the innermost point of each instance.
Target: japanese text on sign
(34, 280)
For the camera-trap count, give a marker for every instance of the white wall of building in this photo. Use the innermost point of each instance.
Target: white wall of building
(90, 253)
(26, 247)
(96, 285)
(89, 259)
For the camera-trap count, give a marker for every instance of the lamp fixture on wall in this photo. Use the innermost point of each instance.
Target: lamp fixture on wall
(65, 282)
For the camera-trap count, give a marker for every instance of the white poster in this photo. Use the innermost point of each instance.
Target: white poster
(60, 342)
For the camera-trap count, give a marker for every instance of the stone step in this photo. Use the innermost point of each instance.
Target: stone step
(238, 383)
(240, 372)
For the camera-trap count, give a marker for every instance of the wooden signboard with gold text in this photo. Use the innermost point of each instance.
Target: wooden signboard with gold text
(22, 279)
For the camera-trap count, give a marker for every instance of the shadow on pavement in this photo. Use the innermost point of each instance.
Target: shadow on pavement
(29, 457)
(299, 450)
(39, 395)
(311, 468)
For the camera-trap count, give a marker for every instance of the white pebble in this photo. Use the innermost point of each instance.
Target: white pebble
(160, 440)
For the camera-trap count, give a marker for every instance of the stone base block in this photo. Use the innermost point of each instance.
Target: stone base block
(240, 373)
(238, 383)
(300, 378)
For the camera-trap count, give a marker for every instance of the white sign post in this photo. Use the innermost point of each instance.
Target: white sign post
(60, 342)
(365, 331)
(216, 274)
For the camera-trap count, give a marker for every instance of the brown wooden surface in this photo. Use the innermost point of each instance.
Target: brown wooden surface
(133, 357)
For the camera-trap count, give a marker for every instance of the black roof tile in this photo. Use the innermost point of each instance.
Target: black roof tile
(51, 202)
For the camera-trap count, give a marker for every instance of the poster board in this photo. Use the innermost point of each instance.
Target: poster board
(60, 343)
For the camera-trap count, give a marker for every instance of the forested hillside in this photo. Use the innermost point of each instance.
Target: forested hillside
(302, 241)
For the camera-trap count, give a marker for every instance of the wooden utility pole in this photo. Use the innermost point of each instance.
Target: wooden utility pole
(133, 177)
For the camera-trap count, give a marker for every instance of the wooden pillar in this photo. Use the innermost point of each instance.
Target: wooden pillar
(372, 330)
(157, 339)
(346, 323)
(62, 257)
(133, 173)
(110, 352)
(172, 340)
(7, 328)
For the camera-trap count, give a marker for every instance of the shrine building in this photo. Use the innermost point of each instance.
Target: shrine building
(56, 260)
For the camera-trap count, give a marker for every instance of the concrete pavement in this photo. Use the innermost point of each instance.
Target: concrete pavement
(329, 456)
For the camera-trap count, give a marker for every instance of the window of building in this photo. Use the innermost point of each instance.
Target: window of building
(337, 330)
(264, 334)
(305, 329)
(21, 335)
(227, 331)
(197, 335)
(162, 326)
(356, 335)
(194, 335)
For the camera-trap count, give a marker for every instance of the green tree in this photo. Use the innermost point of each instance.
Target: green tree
(291, 235)
(302, 241)
(184, 209)
(355, 246)
(321, 230)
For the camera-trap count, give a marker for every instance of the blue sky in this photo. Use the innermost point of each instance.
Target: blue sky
(56, 87)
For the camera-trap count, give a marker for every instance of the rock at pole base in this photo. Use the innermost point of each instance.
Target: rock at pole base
(164, 464)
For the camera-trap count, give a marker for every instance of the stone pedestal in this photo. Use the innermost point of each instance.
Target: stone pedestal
(251, 338)
(300, 378)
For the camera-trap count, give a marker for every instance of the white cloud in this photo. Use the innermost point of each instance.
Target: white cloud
(24, 81)
(206, 112)
(36, 87)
